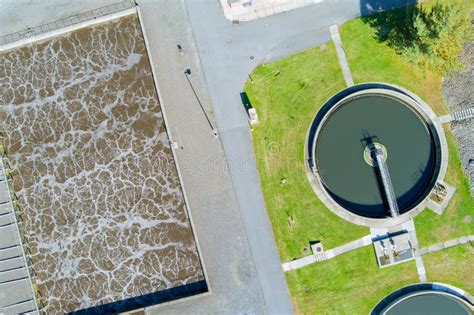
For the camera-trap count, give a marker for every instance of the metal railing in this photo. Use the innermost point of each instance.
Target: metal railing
(387, 183)
(67, 21)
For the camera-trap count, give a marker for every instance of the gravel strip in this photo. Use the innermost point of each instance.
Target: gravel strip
(458, 93)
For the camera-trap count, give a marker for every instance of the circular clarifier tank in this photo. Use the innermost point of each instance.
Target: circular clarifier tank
(349, 134)
(426, 298)
(429, 303)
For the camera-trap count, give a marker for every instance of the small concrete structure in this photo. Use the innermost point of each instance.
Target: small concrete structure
(247, 10)
(440, 197)
(398, 244)
(393, 249)
(253, 116)
(317, 248)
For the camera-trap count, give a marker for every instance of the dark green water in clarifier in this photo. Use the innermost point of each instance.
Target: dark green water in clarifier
(350, 180)
(429, 304)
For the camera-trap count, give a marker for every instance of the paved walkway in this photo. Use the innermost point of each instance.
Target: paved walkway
(435, 248)
(341, 55)
(409, 226)
(16, 291)
(307, 260)
(451, 243)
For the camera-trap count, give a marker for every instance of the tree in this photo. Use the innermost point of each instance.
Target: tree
(430, 34)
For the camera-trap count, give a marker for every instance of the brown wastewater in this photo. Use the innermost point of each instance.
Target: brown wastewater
(104, 213)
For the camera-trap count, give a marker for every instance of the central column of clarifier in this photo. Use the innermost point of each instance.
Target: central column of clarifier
(377, 153)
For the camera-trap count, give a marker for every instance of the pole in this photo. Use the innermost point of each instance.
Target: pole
(186, 74)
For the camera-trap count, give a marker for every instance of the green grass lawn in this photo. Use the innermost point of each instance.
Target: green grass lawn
(287, 94)
(452, 266)
(373, 61)
(432, 228)
(348, 284)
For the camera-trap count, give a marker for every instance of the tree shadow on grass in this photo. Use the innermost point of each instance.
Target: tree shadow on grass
(394, 27)
(429, 34)
(368, 7)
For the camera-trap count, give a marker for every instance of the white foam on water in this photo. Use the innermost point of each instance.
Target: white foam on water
(105, 214)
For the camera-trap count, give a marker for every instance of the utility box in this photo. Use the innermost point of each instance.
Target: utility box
(253, 116)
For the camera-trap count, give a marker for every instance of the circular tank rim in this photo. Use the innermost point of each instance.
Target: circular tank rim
(399, 98)
(396, 297)
(324, 112)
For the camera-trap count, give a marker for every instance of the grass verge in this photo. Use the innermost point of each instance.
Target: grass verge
(348, 284)
(452, 266)
(287, 94)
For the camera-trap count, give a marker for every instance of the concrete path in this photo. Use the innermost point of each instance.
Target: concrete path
(16, 290)
(451, 243)
(435, 248)
(308, 260)
(341, 55)
(420, 267)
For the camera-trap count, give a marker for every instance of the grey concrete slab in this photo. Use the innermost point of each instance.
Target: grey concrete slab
(10, 252)
(23, 307)
(13, 292)
(7, 219)
(13, 263)
(4, 194)
(13, 274)
(9, 236)
(5, 209)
